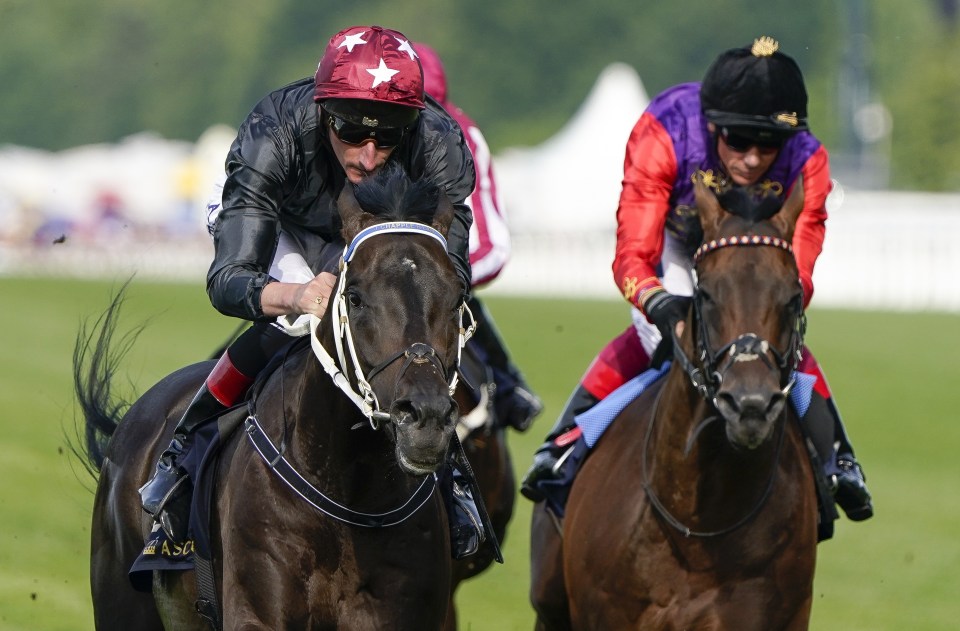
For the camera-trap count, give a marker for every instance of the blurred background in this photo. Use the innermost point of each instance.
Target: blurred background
(116, 116)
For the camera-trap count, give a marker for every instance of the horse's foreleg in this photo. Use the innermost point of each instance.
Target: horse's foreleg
(548, 593)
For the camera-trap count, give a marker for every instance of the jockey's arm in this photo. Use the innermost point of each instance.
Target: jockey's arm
(649, 171)
(811, 224)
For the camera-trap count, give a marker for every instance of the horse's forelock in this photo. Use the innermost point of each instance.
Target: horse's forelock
(741, 202)
(392, 195)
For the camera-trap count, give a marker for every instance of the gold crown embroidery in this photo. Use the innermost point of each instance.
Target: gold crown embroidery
(630, 286)
(717, 182)
(767, 187)
(764, 46)
(790, 118)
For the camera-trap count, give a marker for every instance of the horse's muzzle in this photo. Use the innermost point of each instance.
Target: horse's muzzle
(750, 416)
(424, 426)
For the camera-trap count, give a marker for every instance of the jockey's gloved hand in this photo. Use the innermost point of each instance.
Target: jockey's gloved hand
(664, 310)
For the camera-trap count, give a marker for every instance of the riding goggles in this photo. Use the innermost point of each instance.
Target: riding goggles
(742, 143)
(354, 134)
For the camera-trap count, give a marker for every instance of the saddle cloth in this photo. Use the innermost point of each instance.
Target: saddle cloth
(159, 553)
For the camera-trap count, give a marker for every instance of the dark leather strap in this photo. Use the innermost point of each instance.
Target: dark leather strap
(276, 461)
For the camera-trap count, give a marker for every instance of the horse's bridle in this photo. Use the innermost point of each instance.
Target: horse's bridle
(706, 375)
(417, 353)
(366, 400)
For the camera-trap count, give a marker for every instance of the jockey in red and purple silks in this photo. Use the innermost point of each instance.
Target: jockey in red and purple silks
(745, 126)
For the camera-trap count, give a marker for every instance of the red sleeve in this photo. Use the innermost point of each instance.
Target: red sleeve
(649, 172)
(811, 224)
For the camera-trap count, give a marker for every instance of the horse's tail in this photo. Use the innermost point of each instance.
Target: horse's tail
(95, 363)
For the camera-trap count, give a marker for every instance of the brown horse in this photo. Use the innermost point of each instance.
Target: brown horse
(368, 441)
(697, 509)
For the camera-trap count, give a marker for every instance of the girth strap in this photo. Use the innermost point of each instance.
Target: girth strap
(276, 461)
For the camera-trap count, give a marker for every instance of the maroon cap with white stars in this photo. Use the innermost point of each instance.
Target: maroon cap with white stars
(370, 63)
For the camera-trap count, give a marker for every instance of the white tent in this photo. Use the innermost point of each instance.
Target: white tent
(571, 182)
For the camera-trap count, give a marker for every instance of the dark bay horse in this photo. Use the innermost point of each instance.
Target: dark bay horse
(696, 509)
(366, 419)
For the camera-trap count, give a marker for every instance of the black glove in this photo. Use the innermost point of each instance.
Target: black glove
(664, 310)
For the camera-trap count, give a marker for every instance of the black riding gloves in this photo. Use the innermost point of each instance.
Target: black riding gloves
(664, 310)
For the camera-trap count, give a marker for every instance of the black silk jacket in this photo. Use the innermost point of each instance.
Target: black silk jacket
(282, 173)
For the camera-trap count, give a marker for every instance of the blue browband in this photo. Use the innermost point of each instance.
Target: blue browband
(391, 227)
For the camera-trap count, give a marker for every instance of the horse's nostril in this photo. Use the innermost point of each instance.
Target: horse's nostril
(727, 403)
(423, 409)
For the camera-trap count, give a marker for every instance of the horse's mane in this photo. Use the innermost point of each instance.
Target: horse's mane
(391, 195)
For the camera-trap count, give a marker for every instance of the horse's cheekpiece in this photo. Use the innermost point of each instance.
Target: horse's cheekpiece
(160, 553)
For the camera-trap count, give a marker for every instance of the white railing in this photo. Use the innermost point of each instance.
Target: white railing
(888, 251)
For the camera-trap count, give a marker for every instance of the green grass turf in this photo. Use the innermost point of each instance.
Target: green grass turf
(895, 377)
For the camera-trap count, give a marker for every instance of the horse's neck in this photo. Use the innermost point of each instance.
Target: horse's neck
(331, 441)
(694, 460)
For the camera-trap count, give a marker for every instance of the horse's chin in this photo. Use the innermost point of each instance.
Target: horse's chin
(417, 468)
(748, 433)
(422, 452)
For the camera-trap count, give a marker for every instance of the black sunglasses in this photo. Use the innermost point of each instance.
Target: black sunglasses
(353, 134)
(742, 143)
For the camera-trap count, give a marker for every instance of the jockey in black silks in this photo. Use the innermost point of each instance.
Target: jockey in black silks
(276, 227)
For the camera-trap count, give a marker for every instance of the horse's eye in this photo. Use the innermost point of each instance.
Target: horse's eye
(355, 300)
(795, 306)
(705, 296)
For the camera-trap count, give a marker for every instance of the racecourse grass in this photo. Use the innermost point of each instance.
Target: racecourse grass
(895, 376)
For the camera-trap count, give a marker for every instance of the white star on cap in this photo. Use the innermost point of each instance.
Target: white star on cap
(405, 47)
(352, 40)
(381, 74)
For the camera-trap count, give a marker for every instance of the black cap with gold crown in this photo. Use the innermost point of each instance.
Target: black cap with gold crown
(756, 88)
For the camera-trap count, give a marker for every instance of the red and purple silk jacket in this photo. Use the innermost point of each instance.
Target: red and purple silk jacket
(667, 146)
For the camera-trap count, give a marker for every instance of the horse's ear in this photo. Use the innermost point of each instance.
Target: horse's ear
(708, 207)
(444, 215)
(350, 213)
(786, 217)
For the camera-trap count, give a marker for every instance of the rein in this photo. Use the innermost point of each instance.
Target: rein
(665, 513)
(707, 377)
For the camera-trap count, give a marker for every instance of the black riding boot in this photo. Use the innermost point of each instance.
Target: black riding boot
(466, 526)
(830, 438)
(514, 401)
(549, 458)
(167, 495)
